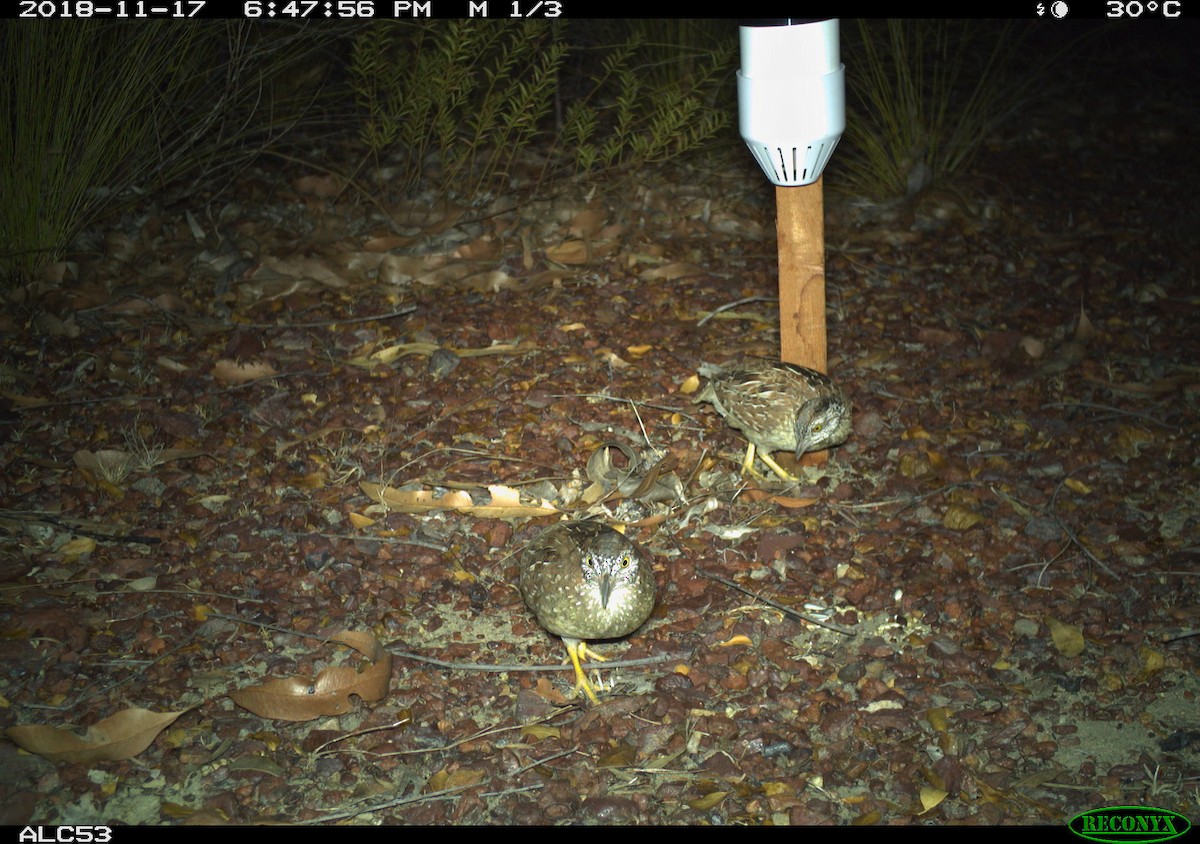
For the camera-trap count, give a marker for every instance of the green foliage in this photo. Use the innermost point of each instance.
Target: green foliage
(81, 98)
(923, 95)
(657, 94)
(470, 92)
(458, 102)
(100, 111)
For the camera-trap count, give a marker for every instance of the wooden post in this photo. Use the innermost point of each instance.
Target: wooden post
(800, 227)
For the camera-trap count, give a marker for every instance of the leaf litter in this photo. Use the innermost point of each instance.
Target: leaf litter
(1008, 531)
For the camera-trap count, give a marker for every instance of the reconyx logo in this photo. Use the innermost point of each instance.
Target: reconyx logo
(1129, 825)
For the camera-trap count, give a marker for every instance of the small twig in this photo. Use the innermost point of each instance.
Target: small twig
(387, 804)
(484, 733)
(520, 790)
(907, 501)
(366, 537)
(265, 626)
(539, 762)
(729, 305)
(1050, 509)
(664, 407)
(1187, 634)
(141, 670)
(189, 592)
(134, 538)
(1114, 410)
(365, 731)
(837, 628)
(467, 666)
(496, 668)
(326, 323)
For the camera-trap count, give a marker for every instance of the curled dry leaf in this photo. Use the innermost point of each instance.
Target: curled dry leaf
(571, 252)
(232, 372)
(931, 797)
(505, 502)
(1068, 638)
(303, 698)
(789, 501)
(1072, 351)
(958, 517)
(587, 222)
(639, 478)
(121, 736)
(458, 778)
(708, 801)
(391, 353)
(670, 272)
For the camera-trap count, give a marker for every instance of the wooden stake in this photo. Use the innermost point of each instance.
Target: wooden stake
(800, 227)
(801, 231)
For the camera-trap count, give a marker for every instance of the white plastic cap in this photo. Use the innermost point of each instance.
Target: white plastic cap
(792, 98)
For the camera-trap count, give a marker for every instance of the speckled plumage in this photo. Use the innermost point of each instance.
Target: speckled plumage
(586, 581)
(779, 407)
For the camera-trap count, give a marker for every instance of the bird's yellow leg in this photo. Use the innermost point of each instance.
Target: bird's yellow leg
(577, 651)
(748, 460)
(748, 465)
(784, 474)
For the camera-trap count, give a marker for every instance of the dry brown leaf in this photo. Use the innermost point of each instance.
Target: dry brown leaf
(385, 243)
(931, 797)
(939, 718)
(464, 778)
(790, 502)
(571, 252)
(505, 501)
(958, 517)
(1077, 486)
(670, 272)
(301, 268)
(48, 323)
(324, 186)
(1032, 347)
(23, 401)
(1152, 662)
(708, 801)
(1129, 442)
(391, 353)
(541, 731)
(231, 372)
(75, 548)
(611, 358)
(1072, 351)
(254, 291)
(438, 781)
(481, 249)
(621, 756)
(303, 698)
(1036, 779)
(586, 223)
(1068, 638)
(120, 736)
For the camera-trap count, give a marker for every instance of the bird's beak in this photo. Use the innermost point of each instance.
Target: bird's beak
(606, 587)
